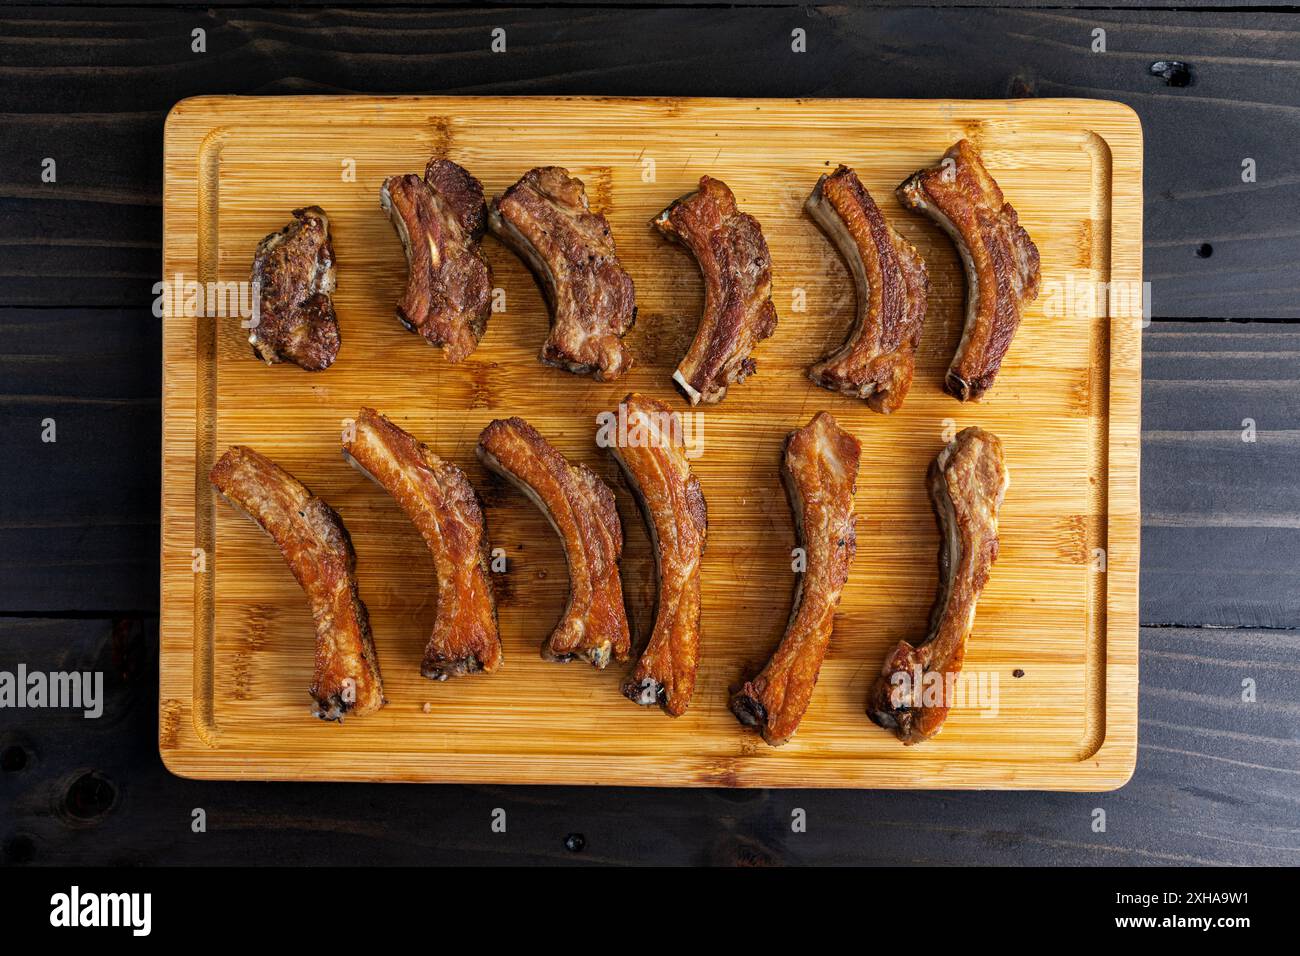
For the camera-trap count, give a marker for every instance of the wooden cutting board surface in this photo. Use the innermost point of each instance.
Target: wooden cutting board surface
(1056, 633)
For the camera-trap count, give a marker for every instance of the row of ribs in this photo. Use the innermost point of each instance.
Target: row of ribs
(546, 219)
(967, 482)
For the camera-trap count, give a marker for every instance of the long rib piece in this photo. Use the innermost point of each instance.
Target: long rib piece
(581, 508)
(651, 451)
(967, 482)
(318, 549)
(732, 255)
(820, 471)
(442, 504)
(440, 220)
(1002, 269)
(876, 362)
(545, 219)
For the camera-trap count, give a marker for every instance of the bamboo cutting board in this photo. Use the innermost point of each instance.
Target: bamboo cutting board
(1056, 633)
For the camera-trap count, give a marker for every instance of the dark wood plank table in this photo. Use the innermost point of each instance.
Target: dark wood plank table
(89, 86)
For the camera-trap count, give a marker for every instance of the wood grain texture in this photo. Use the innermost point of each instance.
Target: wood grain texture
(90, 87)
(235, 639)
(1221, 474)
(1214, 785)
(78, 515)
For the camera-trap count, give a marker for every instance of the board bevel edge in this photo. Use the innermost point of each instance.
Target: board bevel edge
(185, 753)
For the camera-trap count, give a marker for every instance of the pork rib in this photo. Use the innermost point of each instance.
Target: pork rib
(545, 219)
(1002, 269)
(293, 278)
(820, 471)
(652, 453)
(318, 549)
(877, 360)
(440, 220)
(441, 503)
(732, 255)
(581, 508)
(967, 482)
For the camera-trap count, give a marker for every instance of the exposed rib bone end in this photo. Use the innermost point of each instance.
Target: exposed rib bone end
(895, 701)
(645, 691)
(441, 668)
(749, 709)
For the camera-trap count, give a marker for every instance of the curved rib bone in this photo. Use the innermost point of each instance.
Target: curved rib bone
(732, 255)
(652, 453)
(442, 504)
(293, 277)
(820, 470)
(440, 220)
(876, 361)
(318, 549)
(967, 482)
(1002, 271)
(581, 509)
(545, 220)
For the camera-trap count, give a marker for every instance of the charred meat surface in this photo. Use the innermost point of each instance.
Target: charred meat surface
(293, 278)
(967, 482)
(318, 549)
(440, 220)
(820, 471)
(732, 255)
(581, 508)
(545, 219)
(441, 503)
(652, 453)
(1002, 269)
(876, 362)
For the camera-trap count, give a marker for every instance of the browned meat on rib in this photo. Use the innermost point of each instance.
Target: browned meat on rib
(967, 482)
(581, 508)
(1002, 270)
(876, 361)
(820, 471)
(652, 453)
(318, 549)
(440, 220)
(738, 312)
(293, 278)
(441, 503)
(545, 219)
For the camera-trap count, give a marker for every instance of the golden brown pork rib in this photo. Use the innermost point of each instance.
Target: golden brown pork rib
(652, 453)
(738, 312)
(967, 482)
(876, 361)
(544, 218)
(441, 503)
(293, 277)
(1002, 271)
(440, 220)
(318, 549)
(581, 509)
(820, 471)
